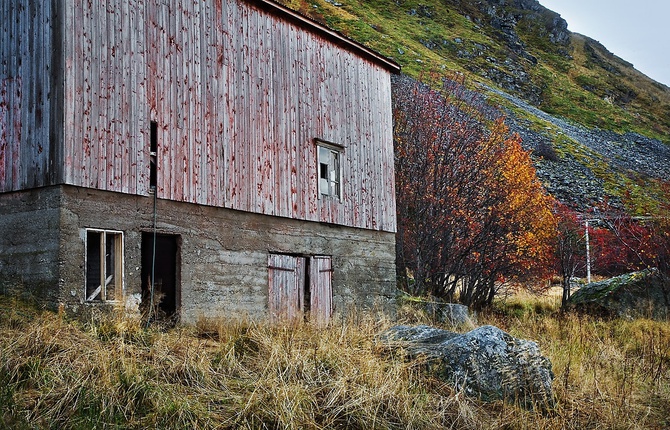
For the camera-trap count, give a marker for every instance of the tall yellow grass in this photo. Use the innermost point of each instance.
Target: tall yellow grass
(56, 373)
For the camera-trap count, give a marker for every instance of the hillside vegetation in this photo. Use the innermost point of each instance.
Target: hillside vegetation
(525, 50)
(517, 45)
(59, 374)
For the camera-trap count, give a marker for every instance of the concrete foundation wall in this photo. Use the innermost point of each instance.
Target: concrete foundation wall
(222, 258)
(29, 245)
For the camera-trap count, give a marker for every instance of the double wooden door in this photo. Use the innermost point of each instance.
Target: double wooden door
(300, 287)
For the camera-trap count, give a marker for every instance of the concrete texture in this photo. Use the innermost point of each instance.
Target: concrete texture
(29, 245)
(222, 257)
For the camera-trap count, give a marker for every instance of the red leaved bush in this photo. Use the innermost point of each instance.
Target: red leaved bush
(471, 211)
(623, 243)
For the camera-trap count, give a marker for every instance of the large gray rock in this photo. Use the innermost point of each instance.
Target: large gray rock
(450, 313)
(643, 294)
(486, 362)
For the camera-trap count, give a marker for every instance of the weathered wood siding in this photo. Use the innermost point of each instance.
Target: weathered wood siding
(286, 283)
(29, 151)
(106, 115)
(321, 297)
(239, 94)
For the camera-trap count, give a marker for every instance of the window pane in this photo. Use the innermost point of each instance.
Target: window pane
(323, 178)
(104, 266)
(335, 180)
(110, 266)
(93, 239)
(329, 172)
(324, 155)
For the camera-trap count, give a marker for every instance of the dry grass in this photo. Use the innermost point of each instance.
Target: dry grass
(57, 373)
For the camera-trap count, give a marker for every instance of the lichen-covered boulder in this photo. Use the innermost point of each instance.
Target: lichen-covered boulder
(485, 362)
(643, 294)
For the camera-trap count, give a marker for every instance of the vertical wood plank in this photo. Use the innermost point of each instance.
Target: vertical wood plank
(321, 289)
(16, 89)
(25, 83)
(239, 94)
(4, 135)
(286, 280)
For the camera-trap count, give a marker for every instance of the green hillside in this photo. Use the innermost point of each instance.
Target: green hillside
(518, 46)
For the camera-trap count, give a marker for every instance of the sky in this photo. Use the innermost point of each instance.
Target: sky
(636, 31)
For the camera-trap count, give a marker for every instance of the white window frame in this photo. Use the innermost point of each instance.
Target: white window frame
(332, 185)
(99, 294)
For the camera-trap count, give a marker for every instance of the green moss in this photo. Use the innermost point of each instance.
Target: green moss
(596, 291)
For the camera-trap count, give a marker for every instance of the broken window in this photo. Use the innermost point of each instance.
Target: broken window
(153, 151)
(300, 288)
(330, 169)
(104, 265)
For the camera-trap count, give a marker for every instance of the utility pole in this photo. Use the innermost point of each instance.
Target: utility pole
(588, 251)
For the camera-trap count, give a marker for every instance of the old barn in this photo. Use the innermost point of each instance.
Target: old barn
(232, 156)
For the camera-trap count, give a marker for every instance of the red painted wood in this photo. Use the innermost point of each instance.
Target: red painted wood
(286, 287)
(287, 284)
(239, 94)
(26, 93)
(4, 132)
(321, 289)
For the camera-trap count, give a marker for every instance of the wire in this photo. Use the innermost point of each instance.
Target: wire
(153, 262)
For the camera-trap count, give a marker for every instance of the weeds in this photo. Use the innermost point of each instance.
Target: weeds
(116, 374)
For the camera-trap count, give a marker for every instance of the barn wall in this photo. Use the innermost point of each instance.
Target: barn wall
(29, 110)
(238, 95)
(224, 254)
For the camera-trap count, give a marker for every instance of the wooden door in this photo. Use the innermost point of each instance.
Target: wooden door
(321, 289)
(286, 287)
(298, 285)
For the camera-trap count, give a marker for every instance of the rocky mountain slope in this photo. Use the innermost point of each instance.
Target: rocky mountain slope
(598, 128)
(584, 166)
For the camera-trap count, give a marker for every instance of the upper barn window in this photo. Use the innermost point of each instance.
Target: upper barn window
(104, 265)
(330, 168)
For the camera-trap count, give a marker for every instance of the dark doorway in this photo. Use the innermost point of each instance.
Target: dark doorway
(165, 276)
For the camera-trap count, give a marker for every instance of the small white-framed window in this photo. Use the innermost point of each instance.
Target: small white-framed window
(329, 159)
(104, 265)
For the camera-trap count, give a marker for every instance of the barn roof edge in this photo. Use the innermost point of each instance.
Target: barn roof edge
(333, 35)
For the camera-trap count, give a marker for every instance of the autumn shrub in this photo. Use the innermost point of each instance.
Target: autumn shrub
(472, 214)
(622, 242)
(546, 151)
